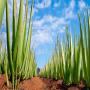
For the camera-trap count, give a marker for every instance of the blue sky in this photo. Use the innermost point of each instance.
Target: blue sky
(49, 19)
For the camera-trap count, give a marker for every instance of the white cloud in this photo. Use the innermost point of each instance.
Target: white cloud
(44, 4)
(69, 11)
(59, 22)
(70, 15)
(38, 23)
(49, 18)
(41, 37)
(57, 4)
(72, 4)
(45, 28)
(62, 29)
(49, 22)
(82, 4)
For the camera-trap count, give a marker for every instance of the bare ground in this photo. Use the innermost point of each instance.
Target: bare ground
(37, 83)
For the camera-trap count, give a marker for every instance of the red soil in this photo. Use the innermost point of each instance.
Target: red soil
(38, 83)
(34, 84)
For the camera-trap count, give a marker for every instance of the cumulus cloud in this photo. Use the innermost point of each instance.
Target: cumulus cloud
(62, 29)
(57, 4)
(72, 4)
(69, 11)
(82, 5)
(46, 27)
(43, 4)
(49, 22)
(58, 22)
(52, 24)
(41, 37)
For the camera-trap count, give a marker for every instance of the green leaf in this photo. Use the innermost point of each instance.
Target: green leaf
(2, 7)
(8, 42)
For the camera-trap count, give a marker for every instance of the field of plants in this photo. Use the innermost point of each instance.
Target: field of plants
(68, 67)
